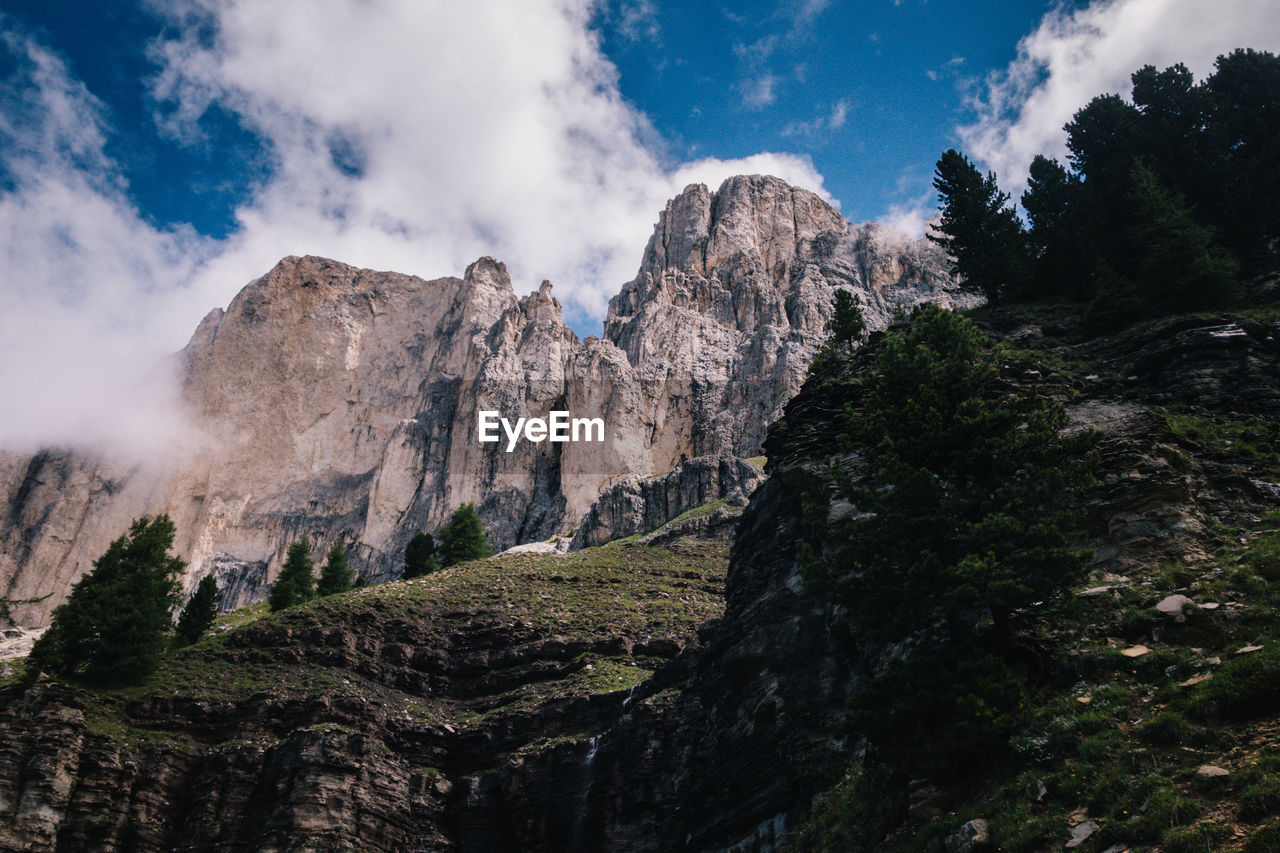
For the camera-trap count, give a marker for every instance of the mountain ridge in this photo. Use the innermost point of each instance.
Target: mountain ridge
(341, 402)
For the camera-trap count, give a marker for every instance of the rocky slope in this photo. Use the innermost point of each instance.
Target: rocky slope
(373, 721)
(330, 401)
(620, 698)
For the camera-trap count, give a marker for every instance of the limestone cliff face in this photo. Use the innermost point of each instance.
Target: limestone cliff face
(339, 402)
(735, 288)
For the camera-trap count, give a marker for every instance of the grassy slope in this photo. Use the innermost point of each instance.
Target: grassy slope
(1121, 740)
(607, 594)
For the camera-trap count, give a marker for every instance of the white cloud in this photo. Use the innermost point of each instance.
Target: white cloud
(918, 203)
(1074, 55)
(758, 76)
(88, 285)
(638, 21)
(910, 217)
(486, 128)
(480, 128)
(839, 115)
(758, 91)
(804, 12)
(837, 118)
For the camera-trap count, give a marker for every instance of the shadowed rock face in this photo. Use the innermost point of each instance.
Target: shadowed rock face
(332, 401)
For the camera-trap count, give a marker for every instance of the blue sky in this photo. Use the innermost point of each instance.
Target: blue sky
(872, 91)
(157, 155)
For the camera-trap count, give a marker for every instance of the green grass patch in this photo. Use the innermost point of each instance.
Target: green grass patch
(1265, 840)
(1246, 437)
(353, 646)
(1244, 687)
(239, 617)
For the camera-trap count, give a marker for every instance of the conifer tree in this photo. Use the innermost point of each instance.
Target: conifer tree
(463, 538)
(115, 624)
(295, 583)
(199, 613)
(969, 496)
(847, 326)
(420, 556)
(1116, 302)
(336, 576)
(1179, 265)
(979, 229)
(967, 501)
(1244, 111)
(1056, 239)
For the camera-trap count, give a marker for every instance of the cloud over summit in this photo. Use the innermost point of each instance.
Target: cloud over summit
(404, 135)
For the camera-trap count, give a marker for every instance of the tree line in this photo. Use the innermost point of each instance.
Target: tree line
(461, 539)
(1163, 205)
(117, 621)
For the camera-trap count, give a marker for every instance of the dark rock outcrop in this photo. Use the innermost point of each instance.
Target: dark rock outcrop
(639, 506)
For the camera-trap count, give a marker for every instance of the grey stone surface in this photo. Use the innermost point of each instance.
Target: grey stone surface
(328, 401)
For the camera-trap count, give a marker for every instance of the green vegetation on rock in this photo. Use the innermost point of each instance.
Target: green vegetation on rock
(114, 626)
(969, 509)
(594, 622)
(335, 576)
(199, 612)
(1144, 729)
(463, 538)
(295, 584)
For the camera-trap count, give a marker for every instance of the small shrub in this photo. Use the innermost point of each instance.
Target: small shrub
(1101, 746)
(1244, 687)
(1263, 557)
(1265, 840)
(1097, 720)
(1175, 576)
(1072, 783)
(1255, 772)
(855, 812)
(1117, 794)
(1166, 809)
(1169, 728)
(1206, 633)
(1029, 835)
(1260, 800)
(1202, 838)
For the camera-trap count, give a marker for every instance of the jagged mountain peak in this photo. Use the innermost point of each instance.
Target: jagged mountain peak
(342, 403)
(760, 216)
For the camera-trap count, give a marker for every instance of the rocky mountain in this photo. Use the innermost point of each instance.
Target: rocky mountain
(330, 401)
(642, 698)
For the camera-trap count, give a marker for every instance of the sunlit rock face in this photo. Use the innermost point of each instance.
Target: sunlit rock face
(328, 401)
